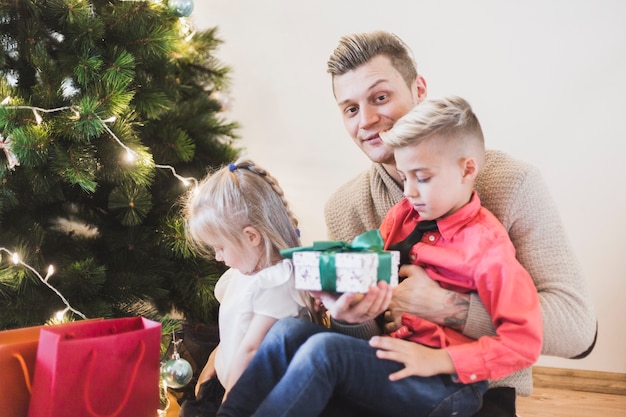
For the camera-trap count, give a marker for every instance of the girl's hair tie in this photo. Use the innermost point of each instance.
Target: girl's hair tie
(232, 167)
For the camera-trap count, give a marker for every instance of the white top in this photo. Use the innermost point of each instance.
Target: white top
(269, 292)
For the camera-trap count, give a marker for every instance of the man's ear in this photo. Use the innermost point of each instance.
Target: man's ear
(421, 88)
(252, 235)
(470, 169)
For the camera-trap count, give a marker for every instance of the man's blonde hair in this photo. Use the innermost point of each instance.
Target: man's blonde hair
(357, 49)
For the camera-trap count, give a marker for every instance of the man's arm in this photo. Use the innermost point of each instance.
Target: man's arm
(517, 194)
(420, 296)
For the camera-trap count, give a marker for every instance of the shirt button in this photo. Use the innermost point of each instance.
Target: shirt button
(412, 258)
(473, 377)
(431, 238)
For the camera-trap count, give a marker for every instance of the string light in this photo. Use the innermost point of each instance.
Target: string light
(17, 261)
(131, 155)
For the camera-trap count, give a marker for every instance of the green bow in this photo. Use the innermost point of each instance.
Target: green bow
(370, 241)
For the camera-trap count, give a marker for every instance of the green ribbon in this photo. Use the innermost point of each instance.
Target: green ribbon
(370, 241)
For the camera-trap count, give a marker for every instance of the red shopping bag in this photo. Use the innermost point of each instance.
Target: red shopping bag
(107, 368)
(18, 351)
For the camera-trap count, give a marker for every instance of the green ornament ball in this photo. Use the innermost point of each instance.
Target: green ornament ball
(181, 8)
(176, 373)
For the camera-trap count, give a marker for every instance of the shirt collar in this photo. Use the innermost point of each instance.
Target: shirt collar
(449, 225)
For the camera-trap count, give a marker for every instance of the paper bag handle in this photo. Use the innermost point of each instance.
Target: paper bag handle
(24, 367)
(133, 376)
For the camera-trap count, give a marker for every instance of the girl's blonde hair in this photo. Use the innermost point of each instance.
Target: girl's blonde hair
(239, 195)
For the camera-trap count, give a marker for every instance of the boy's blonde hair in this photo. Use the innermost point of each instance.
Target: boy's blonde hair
(449, 120)
(239, 195)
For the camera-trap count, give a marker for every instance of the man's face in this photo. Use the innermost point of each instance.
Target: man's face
(371, 98)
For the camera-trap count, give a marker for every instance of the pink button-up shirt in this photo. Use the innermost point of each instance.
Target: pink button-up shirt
(472, 252)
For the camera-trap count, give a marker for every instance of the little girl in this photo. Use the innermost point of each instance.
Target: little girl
(239, 215)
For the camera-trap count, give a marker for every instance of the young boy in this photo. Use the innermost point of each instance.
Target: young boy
(439, 150)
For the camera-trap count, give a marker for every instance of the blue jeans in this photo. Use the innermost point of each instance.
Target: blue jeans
(302, 369)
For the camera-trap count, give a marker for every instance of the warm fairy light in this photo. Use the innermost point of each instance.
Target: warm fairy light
(185, 180)
(50, 272)
(15, 258)
(60, 315)
(38, 117)
(130, 156)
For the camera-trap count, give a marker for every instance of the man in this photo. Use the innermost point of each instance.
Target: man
(375, 82)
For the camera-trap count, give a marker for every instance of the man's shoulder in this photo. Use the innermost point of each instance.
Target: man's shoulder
(358, 186)
(507, 186)
(500, 162)
(502, 170)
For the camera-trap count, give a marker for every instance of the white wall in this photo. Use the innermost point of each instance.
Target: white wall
(547, 80)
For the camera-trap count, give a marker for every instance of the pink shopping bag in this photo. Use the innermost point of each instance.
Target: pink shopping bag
(107, 368)
(18, 352)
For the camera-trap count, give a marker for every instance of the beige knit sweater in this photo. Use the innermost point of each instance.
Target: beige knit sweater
(517, 195)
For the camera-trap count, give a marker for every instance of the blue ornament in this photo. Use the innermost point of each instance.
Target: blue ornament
(181, 8)
(176, 372)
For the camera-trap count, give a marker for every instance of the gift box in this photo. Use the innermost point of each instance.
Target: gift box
(336, 266)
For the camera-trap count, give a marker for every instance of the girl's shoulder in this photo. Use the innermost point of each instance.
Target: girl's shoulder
(275, 275)
(222, 283)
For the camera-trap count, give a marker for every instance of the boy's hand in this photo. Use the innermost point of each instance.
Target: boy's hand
(418, 360)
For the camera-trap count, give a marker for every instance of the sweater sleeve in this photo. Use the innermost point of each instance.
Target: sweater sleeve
(517, 194)
(478, 321)
(360, 331)
(360, 204)
(345, 217)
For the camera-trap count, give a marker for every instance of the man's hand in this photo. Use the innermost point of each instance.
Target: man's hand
(356, 308)
(418, 360)
(420, 296)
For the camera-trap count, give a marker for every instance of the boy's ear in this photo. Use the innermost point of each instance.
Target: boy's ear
(470, 169)
(252, 235)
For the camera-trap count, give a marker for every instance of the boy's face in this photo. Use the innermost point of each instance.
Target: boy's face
(371, 98)
(435, 183)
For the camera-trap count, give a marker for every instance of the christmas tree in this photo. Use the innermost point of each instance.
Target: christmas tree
(84, 85)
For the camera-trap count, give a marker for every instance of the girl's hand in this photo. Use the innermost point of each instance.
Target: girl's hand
(418, 360)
